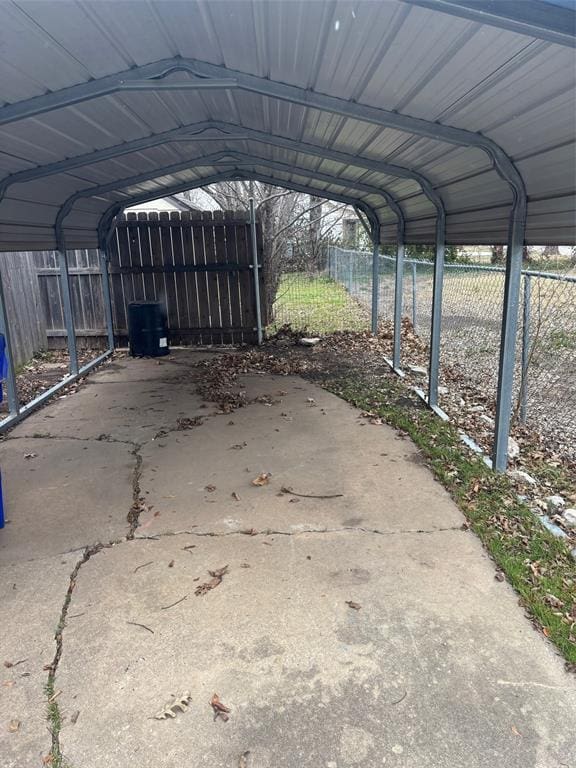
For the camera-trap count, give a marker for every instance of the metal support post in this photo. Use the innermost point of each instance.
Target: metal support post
(414, 297)
(107, 298)
(375, 280)
(435, 329)
(13, 404)
(398, 297)
(525, 348)
(513, 279)
(256, 271)
(68, 315)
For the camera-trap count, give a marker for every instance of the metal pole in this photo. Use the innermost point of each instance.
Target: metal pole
(256, 271)
(375, 280)
(513, 279)
(435, 329)
(398, 296)
(68, 315)
(525, 348)
(414, 313)
(107, 298)
(12, 386)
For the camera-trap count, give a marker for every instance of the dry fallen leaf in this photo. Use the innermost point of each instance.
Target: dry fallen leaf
(262, 479)
(216, 580)
(13, 726)
(220, 709)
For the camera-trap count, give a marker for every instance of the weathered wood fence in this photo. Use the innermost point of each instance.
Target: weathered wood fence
(86, 294)
(199, 265)
(23, 304)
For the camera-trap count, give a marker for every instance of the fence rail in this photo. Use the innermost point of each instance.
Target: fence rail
(545, 383)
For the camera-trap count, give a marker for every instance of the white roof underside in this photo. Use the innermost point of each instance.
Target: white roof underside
(420, 58)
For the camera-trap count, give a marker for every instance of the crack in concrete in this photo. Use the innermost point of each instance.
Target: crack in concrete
(271, 532)
(49, 436)
(53, 714)
(135, 510)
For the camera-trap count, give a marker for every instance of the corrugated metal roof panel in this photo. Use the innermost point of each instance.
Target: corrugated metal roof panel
(517, 88)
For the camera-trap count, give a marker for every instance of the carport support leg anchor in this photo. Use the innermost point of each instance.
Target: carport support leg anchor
(68, 315)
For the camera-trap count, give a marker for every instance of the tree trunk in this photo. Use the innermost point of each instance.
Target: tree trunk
(497, 254)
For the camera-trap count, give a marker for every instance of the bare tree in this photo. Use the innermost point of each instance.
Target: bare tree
(295, 226)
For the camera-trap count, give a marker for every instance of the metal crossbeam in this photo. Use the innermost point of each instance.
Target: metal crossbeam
(107, 219)
(194, 132)
(265, 87)
(207, 160)
(541, 20)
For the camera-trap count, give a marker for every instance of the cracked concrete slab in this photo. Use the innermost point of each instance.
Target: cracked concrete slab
(310, 441)
(437, 668)
(31, 596)
(67, 495)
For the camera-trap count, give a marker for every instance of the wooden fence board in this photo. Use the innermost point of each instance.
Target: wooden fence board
(197, 264)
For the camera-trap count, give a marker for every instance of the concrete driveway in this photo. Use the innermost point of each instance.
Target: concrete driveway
(357, 623)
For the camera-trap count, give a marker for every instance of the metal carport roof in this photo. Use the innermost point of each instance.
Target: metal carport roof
(394, 95)
(442, 120)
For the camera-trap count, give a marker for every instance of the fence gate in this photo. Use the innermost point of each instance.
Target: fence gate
(199, 265)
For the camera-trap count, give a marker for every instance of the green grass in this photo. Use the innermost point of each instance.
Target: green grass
(535, 563)
(318, 304)
(560, 339)
(55, 723)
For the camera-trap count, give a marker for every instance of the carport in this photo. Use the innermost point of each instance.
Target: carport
(291, 556)
(442, 121)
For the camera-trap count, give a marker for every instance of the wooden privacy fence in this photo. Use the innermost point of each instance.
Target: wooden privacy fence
(198, 265)
(86, 294)
(23, 304)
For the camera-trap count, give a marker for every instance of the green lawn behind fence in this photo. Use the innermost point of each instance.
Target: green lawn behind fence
(317, 304)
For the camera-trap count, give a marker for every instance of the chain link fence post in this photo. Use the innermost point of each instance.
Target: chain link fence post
(414, 301)
(525, 348)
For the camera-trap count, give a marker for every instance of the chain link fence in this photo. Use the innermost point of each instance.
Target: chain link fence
(338, 297)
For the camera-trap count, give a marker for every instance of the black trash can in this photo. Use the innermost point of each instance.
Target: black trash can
(147, 331)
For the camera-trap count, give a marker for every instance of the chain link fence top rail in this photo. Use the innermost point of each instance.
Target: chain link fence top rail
(338, 297)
